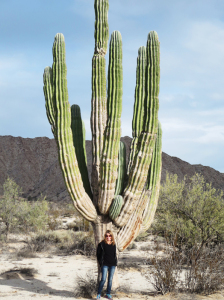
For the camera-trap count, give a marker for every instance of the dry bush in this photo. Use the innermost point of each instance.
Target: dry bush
(86, 287)
(44, 240)
(132, 246)
(164, 273)
(188, 271)
(28, 272)
(205, 275)
(25, 253)
(65, 242)
(82, 244)
(142, 237)
(53, 219)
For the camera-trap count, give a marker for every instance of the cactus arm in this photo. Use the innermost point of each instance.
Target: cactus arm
(121, 169)
(78, 131)
(131, 230)
(101, 26)
(84, 141)
(138, 113)
(48, 93)
(153, 182)
(142, 158)
(116, 206)
(109, 160)
(99, 98)
(63, 133)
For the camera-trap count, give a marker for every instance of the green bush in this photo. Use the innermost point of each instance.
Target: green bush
(190, 213)
(17, 213)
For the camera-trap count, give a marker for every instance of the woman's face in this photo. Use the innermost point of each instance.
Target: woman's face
(108, 237)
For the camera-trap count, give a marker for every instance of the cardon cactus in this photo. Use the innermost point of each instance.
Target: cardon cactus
(119, 200)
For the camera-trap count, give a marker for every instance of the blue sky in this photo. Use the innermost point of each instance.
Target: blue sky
(191, 35)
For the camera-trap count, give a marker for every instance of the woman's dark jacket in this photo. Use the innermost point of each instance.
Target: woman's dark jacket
(101, 253)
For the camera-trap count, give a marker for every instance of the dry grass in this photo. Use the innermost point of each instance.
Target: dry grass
(86, 287)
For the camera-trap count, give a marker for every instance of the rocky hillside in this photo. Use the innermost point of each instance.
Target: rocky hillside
(33, 164)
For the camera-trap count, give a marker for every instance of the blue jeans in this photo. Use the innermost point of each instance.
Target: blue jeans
(104, 270)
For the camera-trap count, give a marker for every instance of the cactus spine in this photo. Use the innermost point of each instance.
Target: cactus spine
(115, 201)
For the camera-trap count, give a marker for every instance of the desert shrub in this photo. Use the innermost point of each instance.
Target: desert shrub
(9, 204)
(185, 271)
(190, 213)
(65, 242)
(32, 215)
(44, 240)
(17, 213)
(53, 219)
(205, 275)
(82, 244)
(142, 237)
(25, 253)
(86, 286)
(132, 246)
(164, 272)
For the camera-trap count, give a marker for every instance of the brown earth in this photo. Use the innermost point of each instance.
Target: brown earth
(33, 164)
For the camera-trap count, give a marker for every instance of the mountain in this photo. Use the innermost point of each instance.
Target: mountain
(33, 164)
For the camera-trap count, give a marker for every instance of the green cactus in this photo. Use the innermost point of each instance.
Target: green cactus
(153, 181)
(109, 160)
(79, 142)
(141, 158)
(116, 206)
(121, 201)
(121, 171)
(58, 109)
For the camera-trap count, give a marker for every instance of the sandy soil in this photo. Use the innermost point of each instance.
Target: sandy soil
(56, 277)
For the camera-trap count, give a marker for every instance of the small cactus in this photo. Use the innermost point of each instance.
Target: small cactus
(115, 207)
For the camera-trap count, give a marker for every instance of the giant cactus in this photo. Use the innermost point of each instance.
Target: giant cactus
(124, 202)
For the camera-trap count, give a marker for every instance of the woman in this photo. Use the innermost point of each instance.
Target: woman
(107, 259)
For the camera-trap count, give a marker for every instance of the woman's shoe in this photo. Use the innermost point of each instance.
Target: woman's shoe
(98, 296)
(108, 296)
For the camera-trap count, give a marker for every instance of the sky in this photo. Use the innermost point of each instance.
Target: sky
(191, 34)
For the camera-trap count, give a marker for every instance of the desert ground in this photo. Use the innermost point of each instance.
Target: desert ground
(54, 276)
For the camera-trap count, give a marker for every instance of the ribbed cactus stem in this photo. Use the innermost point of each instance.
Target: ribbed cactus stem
(142, 158)
(131, 230)
(116, 206)
(78, 131)
(138, 114)
(121, 172)
(63, 133)
(48, 93)
(109, 160)
(99, 93)
(153, 181)
(101, 26)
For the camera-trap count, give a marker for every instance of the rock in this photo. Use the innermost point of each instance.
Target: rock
(33, 164)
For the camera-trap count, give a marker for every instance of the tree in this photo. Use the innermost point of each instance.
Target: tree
(119, 200)
(190, 212)
(8, 204)
(16, 212)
